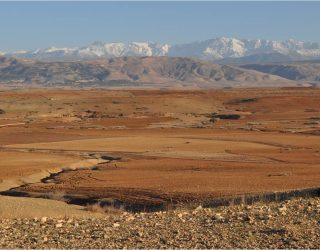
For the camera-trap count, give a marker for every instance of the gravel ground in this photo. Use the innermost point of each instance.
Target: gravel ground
(291, 224)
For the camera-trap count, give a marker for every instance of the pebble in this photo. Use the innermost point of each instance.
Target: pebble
(294, 224)
(43, 219)
(218, 217)
(59, 225)
(130, 218)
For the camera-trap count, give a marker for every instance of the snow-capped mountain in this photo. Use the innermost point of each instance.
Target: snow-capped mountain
(96, 50)
(110, 50)
(222, 48)
(213, 50)
(48, 53)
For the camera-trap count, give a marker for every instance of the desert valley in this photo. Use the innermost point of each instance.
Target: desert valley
(155, 150)
(160, 147)
(159, 125)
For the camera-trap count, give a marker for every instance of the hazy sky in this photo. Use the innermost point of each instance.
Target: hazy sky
(29, 25)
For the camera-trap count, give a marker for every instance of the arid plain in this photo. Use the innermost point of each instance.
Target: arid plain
(156, 148)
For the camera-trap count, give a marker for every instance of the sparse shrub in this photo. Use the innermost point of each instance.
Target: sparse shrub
(68, 168)
(58, 195)
(215, 117)
(242, 100)
(98, 208)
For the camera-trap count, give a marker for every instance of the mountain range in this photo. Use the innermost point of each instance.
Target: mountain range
(155, 72)
(297, 71)
(219, 50)
(215, 63)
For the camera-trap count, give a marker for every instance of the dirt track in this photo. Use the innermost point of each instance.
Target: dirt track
(169, 147)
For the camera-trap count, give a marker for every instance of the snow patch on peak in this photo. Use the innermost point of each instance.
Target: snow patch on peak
(110, 50)
(55, 49)
(223, 47)
(21, 52)
(211, 49)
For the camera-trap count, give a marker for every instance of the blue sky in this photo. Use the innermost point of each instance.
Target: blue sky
(29, 25)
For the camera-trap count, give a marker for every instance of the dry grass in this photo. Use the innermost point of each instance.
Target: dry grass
(58, 195)
(98, 208)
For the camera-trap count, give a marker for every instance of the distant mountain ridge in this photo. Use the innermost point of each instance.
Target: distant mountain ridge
(217, 50)
(297, 71)
(158, 72)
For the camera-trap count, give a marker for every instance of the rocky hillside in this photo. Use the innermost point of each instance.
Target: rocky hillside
(293, 224)
(306, 71)
(258, 59)
(134, 71)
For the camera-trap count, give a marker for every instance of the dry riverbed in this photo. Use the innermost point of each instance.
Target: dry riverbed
(290, 224)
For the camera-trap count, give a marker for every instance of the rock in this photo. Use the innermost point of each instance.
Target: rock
(43, 219)
(218, 217)
(199, 208)
(282, 208)
(163, 241)
(116, 224)
(130, 218)
(59, 225)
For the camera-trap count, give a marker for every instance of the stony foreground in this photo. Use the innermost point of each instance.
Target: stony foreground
(290, 224)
